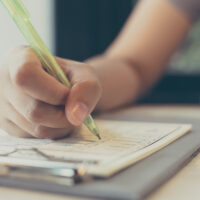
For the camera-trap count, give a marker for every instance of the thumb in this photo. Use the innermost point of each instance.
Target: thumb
(84, 94)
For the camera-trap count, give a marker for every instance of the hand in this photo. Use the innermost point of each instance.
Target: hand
(34, 104)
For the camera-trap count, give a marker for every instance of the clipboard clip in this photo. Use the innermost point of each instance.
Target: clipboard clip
(62, 176)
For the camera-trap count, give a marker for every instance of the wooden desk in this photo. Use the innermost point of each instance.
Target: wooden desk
(184, 185)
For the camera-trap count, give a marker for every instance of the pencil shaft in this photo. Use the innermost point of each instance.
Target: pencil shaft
(20, 15)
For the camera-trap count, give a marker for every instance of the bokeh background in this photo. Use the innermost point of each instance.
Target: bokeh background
(86, 28)
(79, 29)
(42, 12)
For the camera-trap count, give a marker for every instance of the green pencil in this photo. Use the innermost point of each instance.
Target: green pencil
(21, 17)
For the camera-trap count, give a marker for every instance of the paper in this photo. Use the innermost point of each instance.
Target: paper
(122, 144)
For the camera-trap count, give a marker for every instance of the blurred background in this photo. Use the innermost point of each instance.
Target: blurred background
(86, 28)
(78, 29)
(42, 13)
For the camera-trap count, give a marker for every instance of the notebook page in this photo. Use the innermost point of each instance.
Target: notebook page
(122, 144)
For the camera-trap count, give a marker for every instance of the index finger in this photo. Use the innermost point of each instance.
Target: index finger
(26, 72)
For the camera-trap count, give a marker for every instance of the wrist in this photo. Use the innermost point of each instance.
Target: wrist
(119, 79)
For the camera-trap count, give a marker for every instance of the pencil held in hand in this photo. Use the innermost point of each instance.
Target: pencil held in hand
(22, 19)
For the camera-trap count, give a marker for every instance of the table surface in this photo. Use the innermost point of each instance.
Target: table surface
(184, 185)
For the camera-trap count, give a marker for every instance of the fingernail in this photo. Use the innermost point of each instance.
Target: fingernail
(79, 113)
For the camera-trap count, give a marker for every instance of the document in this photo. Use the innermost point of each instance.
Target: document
(123, 144)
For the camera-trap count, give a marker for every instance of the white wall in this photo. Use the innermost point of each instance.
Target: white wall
(42, 18)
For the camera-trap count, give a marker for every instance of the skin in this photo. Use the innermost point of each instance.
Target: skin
(34, 104)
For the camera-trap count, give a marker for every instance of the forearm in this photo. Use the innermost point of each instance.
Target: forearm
(137, 58)
(152, 34)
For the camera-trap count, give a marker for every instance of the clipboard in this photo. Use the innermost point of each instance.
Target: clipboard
(134, 183)
(60, 176)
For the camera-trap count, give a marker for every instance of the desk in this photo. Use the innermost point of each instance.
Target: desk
(184, 185)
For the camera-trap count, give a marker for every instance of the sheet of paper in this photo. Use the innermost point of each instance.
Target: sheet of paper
(122, 144)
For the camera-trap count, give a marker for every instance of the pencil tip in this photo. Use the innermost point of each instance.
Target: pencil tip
(96, 133)
(99, 137)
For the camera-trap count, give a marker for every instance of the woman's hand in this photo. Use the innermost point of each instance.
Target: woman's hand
(34, 104)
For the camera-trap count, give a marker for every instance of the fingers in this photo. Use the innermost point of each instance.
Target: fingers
(34, 100)
(24, 128)
(36, 111)
(12, 129)
(85, 91)
(27, 74)
(82, 100)
(42, 132)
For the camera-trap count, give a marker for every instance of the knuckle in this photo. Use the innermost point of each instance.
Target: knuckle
(23, 74)
(94, 86)
(59, 98)
(34, 112)
(41, 132)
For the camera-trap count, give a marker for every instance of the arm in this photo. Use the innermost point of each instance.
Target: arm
(137, 58)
